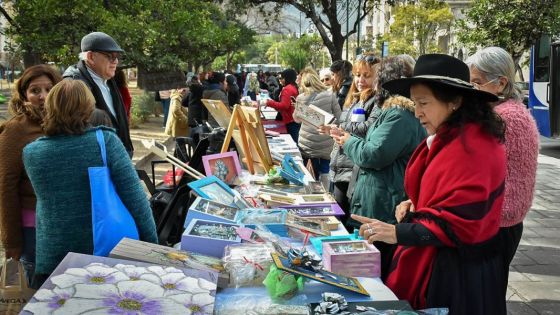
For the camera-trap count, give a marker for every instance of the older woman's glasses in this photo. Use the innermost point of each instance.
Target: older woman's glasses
(371, 59)
(325, 79)
(479, 85)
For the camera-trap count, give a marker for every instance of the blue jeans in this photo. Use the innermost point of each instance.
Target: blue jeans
(27, 258)
(320, 166)
(293, 130)
(165, 104)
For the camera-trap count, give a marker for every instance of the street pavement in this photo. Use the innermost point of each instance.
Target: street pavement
(534, 279)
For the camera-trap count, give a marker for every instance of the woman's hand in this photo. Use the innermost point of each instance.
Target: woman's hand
(402, 209)
(325, 129)
(374, 230)
(339, 135)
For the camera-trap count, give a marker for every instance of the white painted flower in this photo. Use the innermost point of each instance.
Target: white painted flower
(160, 271)
(50, 300)
(94, 273)
(126, 297)
(177, 283)
(197, 304)
(133, 272)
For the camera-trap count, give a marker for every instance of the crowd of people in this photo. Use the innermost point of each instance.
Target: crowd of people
(433, 160)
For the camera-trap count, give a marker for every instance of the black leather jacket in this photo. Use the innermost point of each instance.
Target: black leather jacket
(120, 122)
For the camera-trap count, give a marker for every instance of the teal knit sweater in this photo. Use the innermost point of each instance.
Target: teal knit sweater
(58, 169)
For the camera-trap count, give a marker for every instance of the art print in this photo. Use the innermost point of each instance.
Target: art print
(262, 216)
(225, 166)
(214, 230)
(340, 281)
(215, 208)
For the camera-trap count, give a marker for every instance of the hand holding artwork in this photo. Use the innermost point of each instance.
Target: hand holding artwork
(339, 135)
(374, 230)
(325, 129)
(402, 209)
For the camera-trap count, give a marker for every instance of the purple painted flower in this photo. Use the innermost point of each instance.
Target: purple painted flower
(50, 300)
(126, 298)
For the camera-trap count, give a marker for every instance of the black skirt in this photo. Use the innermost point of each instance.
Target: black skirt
(469, 280)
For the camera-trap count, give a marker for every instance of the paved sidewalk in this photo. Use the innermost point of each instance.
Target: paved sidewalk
(534, 279)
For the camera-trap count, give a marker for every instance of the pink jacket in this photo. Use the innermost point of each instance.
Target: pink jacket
(522, 150)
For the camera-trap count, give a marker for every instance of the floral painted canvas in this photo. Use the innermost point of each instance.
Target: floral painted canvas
(98, 285)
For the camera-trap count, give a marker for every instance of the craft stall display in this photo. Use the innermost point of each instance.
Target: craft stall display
(235, 255)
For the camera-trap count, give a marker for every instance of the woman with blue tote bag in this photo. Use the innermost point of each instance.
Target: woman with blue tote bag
(88, 193)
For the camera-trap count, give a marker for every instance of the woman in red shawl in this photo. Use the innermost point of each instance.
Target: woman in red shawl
(447, 254)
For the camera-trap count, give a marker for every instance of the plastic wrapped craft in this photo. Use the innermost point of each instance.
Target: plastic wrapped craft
(281, 284)
(250, 304)
(247, 264)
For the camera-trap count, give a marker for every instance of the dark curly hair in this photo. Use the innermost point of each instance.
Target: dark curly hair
(391, 68)
(472, 109)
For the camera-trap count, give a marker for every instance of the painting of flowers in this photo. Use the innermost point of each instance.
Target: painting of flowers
(84, 284)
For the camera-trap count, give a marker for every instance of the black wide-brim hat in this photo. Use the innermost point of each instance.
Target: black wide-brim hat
(442, 69)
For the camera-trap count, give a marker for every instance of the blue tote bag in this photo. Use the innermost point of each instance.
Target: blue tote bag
(111, 220)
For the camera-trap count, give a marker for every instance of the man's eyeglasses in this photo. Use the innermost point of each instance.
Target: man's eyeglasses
(371, 59)
(112, 58)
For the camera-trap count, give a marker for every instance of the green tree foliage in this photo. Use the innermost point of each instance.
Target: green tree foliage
(514, 25)
(297, 53)
(417, 27)
(155, 34)
(326, 16)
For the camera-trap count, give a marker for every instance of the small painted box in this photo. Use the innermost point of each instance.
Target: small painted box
(209, 237)
(352, 259)
(205, 209)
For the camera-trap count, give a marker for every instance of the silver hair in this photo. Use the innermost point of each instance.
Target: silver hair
(408, 59)
(83, 55)
(495, 62)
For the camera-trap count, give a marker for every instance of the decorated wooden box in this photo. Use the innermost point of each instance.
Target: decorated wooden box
(162, 255)
(209, 237)
(84, 284)
(352, 259)
(205, 209)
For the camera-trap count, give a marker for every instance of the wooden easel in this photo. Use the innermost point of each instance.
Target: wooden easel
(253, 139)
(161, 151)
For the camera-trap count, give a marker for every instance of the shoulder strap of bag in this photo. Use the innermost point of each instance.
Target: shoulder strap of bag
(101, 141)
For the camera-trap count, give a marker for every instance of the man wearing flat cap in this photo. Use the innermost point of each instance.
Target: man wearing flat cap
(98, 63)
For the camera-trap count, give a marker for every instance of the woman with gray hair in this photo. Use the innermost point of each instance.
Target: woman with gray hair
(492, 70)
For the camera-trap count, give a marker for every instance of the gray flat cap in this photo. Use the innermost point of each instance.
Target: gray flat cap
(99, 41)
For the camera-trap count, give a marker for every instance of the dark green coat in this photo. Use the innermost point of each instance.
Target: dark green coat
(382, 157)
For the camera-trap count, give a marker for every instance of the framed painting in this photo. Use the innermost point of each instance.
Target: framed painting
(225, 166)
(340, 281)
(213, 188)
